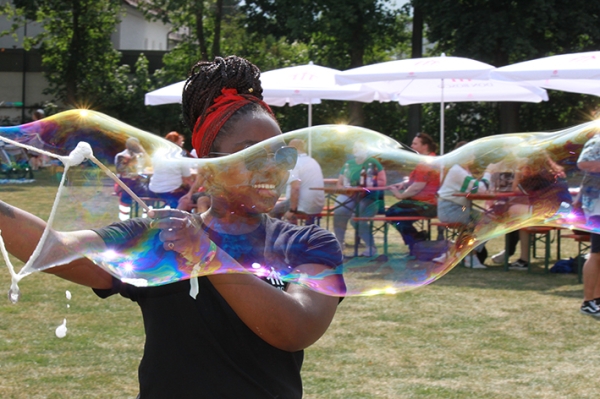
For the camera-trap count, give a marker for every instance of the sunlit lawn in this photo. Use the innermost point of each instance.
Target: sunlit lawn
(472, 334)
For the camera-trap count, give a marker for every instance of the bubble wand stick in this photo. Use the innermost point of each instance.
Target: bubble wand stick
(110, 174)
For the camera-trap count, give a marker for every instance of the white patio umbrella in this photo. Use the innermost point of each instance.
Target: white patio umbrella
(438, 79)
(421, 91)
(303, 84)
(575, 72)
(310, 83)
(170, 94)
(463, 90)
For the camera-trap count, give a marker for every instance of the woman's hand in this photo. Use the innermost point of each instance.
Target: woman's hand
(181, 232)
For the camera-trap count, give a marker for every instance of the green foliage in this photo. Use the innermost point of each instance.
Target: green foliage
(84, 70)
(506, 31)
(563, 110)
(462, 121)
(77, 52)
(187, 18)
(126, 102)
(340, 32)
(502, 32)
(198, 23)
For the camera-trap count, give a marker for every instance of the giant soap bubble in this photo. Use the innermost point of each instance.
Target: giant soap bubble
(543, 166)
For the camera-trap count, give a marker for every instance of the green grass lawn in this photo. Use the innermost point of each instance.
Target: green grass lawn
(471, 334)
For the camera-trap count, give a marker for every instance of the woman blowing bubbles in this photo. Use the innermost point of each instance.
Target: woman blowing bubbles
(228, 335)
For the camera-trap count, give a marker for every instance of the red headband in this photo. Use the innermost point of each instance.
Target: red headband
(224, 106)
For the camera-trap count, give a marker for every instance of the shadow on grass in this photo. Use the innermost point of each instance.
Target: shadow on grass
(492, 278)
(43, 178)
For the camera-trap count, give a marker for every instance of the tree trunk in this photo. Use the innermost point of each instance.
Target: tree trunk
(74, 47)
(216, 47)
(509, 117)
(414, 110)
(355, 109)
(508, 112)
(200, 30)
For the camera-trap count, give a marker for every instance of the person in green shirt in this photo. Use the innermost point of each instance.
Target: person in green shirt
(361, 170)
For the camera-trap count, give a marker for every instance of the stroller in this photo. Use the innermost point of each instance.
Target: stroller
(14, 162)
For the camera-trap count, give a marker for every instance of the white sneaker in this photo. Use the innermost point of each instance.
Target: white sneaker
(499, 258)
(440, 259)
(369, 252)
(473, 262)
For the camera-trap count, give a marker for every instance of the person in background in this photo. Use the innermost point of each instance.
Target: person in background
(418, 197)
(35, 159)
(453, 209)
(542, 180)
(231, 335)
(503, 180)
(130, 164)
(366, 204)
(178, 139)
(300, 199)
(171, 181)
(193, 198)
(196, 199)
(589, 198)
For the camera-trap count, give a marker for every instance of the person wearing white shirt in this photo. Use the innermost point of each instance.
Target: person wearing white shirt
(300, 199)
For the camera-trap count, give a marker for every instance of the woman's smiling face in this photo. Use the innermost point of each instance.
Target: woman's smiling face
(258, 189)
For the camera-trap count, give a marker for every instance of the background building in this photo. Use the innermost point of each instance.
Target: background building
(21, 79)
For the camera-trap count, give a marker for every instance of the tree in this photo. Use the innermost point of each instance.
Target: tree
(414, 113)
(82, 67)
(77, 53)
(341, 33)
(502, 32)
(199, 22)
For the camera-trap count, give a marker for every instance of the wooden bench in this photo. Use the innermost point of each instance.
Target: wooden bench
(541, 234)
(451, 230)
(151, 202)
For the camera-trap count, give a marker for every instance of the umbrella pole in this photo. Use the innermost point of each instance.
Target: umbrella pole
(442, 121)
(442, 132)
(309, 130)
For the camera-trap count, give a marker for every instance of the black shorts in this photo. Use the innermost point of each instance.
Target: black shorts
(595, 243)
(595, 239)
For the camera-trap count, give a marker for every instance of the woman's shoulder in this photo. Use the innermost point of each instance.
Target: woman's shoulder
(308, 237)
(281, 226)
(297, 233)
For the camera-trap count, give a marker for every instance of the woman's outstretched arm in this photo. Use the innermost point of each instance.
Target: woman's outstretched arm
(21, 232)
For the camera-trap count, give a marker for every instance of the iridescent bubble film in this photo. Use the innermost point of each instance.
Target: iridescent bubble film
(504, 183)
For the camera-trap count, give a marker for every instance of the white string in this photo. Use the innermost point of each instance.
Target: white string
(82, 152)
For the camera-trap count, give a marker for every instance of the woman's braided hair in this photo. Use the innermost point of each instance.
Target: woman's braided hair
(208, 78)
(205, 83)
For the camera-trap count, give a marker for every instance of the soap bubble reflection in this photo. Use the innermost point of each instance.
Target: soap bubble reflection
(530, 179)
